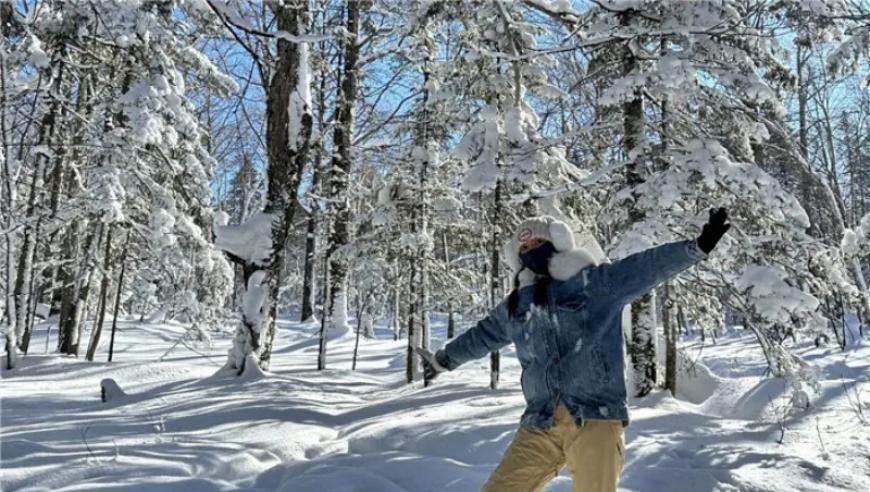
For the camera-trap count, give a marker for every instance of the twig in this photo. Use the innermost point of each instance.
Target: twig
(856, 405)
(780, 419)
(84, 433)
(819, 432)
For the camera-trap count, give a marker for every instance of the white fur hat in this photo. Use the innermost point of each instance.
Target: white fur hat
(545, 227)
(570, 257)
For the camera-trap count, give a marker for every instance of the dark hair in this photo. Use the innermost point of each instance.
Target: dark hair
(540, 296)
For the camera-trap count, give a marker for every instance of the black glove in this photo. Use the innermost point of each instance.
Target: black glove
(431, 367)
(713, 230)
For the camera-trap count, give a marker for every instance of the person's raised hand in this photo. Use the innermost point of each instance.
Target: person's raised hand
(713, 230)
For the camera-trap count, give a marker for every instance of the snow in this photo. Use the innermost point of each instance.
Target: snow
(339, 324)
(250, 240)
(300, 98)
(36, 54)
(181, 424)
(774, 299)
(255, 295)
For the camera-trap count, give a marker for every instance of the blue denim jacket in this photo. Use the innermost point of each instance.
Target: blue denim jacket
(571, 351)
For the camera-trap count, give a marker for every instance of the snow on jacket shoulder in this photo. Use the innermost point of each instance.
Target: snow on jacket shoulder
(571, 351)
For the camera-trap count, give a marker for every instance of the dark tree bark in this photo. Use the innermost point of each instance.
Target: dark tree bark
(104, 292)
(118, 290)
(24, 270)
(643, 326)
(287, 154)
(309, 286)
(69, 289)
(495, 275)
(671, 336)
(411, 362)
(342, 162)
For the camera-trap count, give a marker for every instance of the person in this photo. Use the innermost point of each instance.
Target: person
(564, 317)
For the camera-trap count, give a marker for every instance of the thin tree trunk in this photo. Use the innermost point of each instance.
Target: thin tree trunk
(33, 298)
(9, 203)
(308, 286)
(104, 292)
(321, 351)
(397, 324)
(668, 322)
(833, 173)
(451, 322)
(495, 276)
(25, 261)
(68, 279)
(118, 290)
(803, 139)
(411, 367)
(319, 171)
(47, 130)
(84, 285)
(671, 336)
(359, 315)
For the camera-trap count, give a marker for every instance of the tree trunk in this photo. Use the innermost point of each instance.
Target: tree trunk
(803, 140)
(25, 261)
(118, 290)
(425, 134)
(397, 324)
(287, 154)
(104, 292)
(359, 315)
(341, 169)
(317, 177)
(668, 322)
(83, 285)
(68, 278)
(324, 322)
(671, 336)
(308, 286)
(411, 362)
(47, 129)
(495, 276)
(643, 320)
(451, 322)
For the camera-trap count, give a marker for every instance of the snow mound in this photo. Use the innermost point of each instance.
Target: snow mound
(110, 391)
(695, 382)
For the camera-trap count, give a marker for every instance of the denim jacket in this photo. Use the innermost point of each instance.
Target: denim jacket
(571, 351)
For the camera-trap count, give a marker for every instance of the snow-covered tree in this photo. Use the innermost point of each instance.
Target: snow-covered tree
(259, 243)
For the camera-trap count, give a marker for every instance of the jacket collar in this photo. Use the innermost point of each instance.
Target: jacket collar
(563, 265)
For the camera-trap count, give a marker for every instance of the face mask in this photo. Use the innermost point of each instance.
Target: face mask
(538, 259)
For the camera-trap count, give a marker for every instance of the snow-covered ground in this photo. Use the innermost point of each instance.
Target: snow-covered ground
(181, 427)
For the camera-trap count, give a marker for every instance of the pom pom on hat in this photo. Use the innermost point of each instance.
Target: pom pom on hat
(561, 236)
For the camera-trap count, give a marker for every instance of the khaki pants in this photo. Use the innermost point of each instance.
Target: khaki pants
(594, 454)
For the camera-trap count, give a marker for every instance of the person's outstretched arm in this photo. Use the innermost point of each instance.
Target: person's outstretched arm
(488, 335)
(631, 277)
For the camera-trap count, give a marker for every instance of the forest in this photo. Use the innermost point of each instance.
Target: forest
(357, 167)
